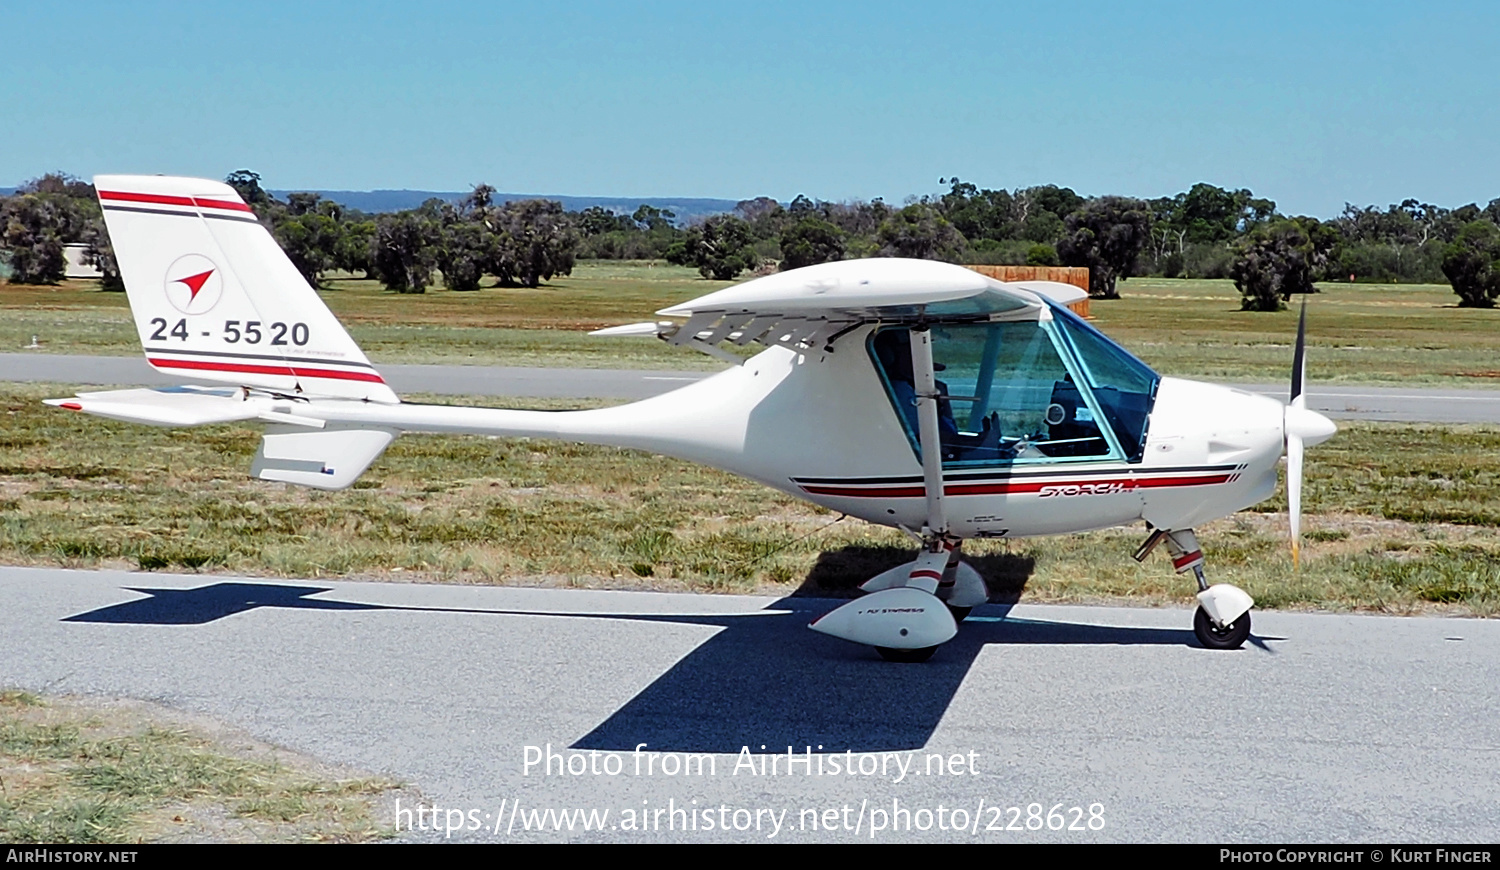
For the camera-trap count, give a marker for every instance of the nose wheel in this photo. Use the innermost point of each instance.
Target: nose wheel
(1212, 636)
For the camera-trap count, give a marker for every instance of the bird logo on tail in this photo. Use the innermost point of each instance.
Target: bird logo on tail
(193, 284)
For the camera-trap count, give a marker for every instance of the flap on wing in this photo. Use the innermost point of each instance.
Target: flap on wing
(173, 406)
(885, 289)
(326, 459)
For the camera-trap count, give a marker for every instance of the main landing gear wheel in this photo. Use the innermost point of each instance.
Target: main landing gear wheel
(959, 613)
(910, 656)
(1231, 636)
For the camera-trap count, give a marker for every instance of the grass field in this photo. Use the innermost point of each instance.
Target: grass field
(546, 326)
(1359, 333)
(85, 771)
(1367, 333)
(1401, 518)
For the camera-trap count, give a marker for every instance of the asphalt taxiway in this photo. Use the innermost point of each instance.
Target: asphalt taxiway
(1416, 403)
(1325, 728)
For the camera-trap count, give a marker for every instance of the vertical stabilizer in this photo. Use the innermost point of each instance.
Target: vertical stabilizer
(215, 298)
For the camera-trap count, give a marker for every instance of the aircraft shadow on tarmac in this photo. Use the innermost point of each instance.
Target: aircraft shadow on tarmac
(764, 679)
(208, 603)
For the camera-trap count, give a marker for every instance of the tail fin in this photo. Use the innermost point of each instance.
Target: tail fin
(216, 298)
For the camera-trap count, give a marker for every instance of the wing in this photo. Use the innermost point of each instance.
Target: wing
(812, 307)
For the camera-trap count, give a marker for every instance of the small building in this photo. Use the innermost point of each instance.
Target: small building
(78, 266)
(1078, 276)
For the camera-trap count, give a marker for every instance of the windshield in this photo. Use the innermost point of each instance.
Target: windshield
(1124, 386)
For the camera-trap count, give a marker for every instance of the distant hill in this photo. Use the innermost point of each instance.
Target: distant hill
(375, 201)
(686, 208)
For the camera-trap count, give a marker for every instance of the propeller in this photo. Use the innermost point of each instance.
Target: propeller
(1300, 428)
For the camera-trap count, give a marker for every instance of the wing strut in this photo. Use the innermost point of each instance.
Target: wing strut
(927, 429)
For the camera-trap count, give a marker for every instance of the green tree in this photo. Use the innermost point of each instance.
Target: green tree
(1041, 212)
(33, 232)
(1324, 246)
(1271, 264)
(859, 222)
(1041, 255)
(309, 230)
(470, 242)
(977, 214)
(809, 241)
(720, 247)
(404, 251)
(597, 220)
(537, 241)
(356, 247)
(759, 210)
(1107, 235)
(919, 231)
(1472, 264)
(1213, 214)
(652, 219)
(47, 214)
(467, 248)
(247, 185)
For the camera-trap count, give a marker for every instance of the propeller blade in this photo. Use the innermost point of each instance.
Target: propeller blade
(1295, 419)
(1299, 357)
(1294, 494)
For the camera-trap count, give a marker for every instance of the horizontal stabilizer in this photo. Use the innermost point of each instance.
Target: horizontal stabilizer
(175, 406)
(326, 459)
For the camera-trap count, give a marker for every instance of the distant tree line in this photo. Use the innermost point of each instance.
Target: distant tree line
(1204, 232)
(519, 244)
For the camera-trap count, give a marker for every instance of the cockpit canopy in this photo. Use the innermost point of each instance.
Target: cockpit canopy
(1046, 390)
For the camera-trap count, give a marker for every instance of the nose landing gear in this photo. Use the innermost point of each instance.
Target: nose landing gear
(1222, 620)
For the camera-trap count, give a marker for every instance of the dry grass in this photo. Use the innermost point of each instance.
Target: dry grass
(79, 770)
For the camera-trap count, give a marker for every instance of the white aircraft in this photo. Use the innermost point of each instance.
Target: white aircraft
(908, 393)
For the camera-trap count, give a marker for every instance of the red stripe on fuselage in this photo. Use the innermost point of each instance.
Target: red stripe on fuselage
(285, 371)
(161, 199)
(1006, 487)
(889, 492)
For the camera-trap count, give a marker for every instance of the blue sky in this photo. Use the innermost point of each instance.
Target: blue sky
(1311, 104)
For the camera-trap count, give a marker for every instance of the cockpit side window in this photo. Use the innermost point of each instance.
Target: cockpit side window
(1008, 396)
(1124, 387)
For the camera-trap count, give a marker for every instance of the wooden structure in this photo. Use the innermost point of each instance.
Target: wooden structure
(1078, 276)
